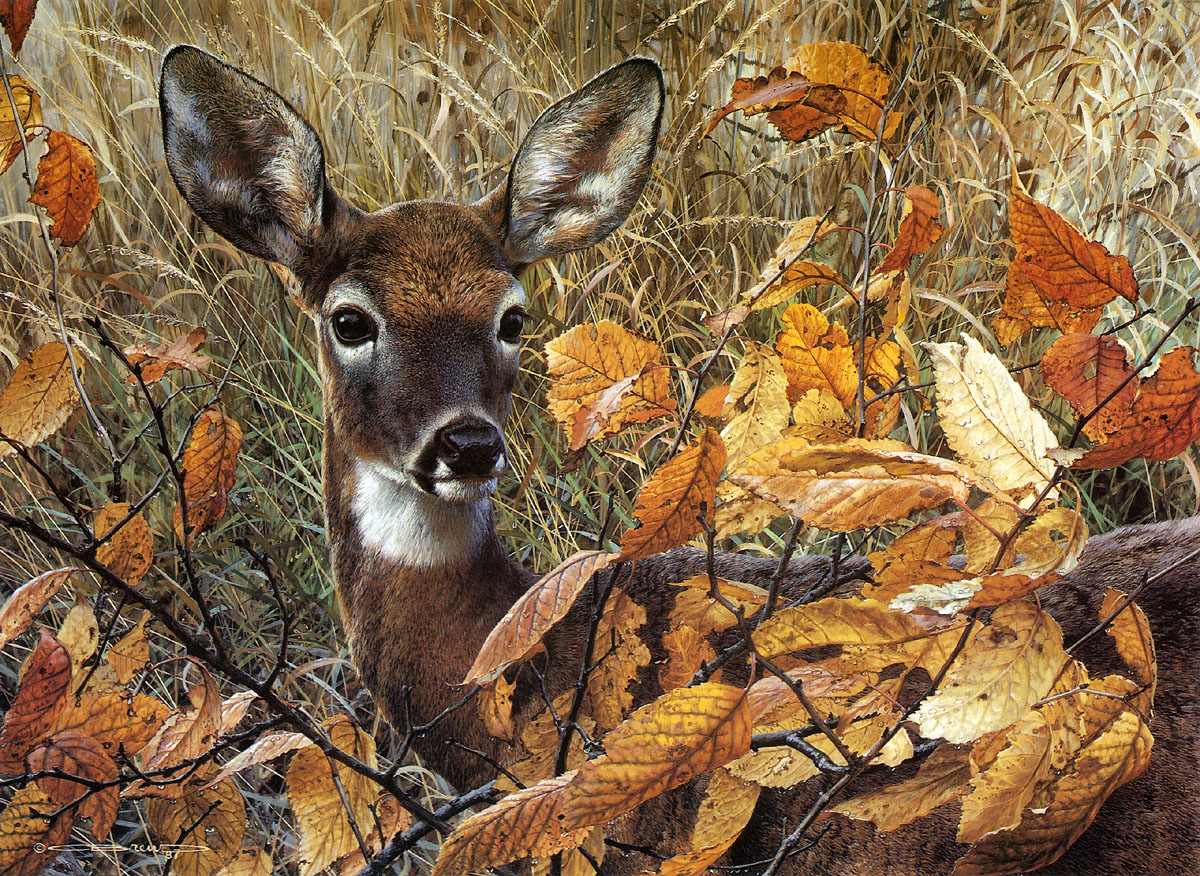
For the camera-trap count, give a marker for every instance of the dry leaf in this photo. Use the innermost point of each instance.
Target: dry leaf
(1027, 306)
(1130, 632)
(118, 722)
(79, 634)
(724, 813)
(41, 697)
(82, 756)
(539, 608)
(39, 397)
(209, 821)
(28, 840)
(190, 732)
(712, 402)
(128, 552)
(265, 748)
(66, 186)
(919, 229)
(249, 861)
(660, 746)
(687, 651)
(1002, 789)
(835, 621)
(798, 108)
(1085, 370)
(863, 82)
(15, 18)
(816, 355)
(941, 779)
(695, 606)
(756, 410)
(29, 114)
(27, 601)
(209, 468)
(130, 654)
(622, 654)
(234, 709)
(182, 354)
(671, 502)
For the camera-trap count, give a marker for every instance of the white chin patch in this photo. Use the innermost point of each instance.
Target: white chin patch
(465, 491)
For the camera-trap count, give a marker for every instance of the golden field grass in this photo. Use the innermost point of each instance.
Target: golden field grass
(1095, 105)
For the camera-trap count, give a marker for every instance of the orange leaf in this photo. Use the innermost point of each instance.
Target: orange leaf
(797, 107)
(1130, 632)
(39, 397)
(40, 699)
(209, 466)
(181, 354)
(29, 116)
(660, 746)
(919, 229)
(15, 18)
(1164, 419)
(118, 722)
(671, 502)
(28, 836)
(129, 551)
(27, 601)
(539, 608)
(67, 186)
(1026, 305)
(712, 402)
(860, 79)
(1085, 369)
(82, 756)
(941, 779)
(687, 651)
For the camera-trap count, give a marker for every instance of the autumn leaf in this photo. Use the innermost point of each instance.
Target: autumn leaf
(712, 402)
(28, 837)
(249, 861)
(41, 697)
(851, 485)
(665, 743)
(120, 723)
(82, 756)
(129, 655)
(1164, 419)
(1130, 632)
(1085, 370)
(1063, 810)
(209, 467)
(816, 355)
(989, 522)
(920, 555)
(66, 186)
(539, 608)
(189, 732)
(29, 116)
(742, 511)
(27, 601)
(670, 503)
(234, 709)
(687, 651)
(757, 409)
(1002, 789)
(723, 814)
(773, 700)
(941, 779)
(1007, 666)
(182, 354)
(325, 832)
(696, 607)
(589, 360)
(79, 634)
(834, 621)
(863, 82)
(389, 819)
(527, 822)
(1027, 306)
(919, 229)
(15, 18)
(541, 739)
(988, 420)
(39, 397)
(209, 821)
(591, 420)
(128, 552)
(265, 748)
(622, 656)
(495, 706)
(798, 108)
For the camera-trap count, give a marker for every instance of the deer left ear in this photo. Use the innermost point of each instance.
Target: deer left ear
(584, 164)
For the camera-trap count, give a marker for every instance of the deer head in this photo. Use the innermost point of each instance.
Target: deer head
(417, 307)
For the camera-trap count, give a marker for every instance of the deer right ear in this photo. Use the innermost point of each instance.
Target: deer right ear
(583, 165)
(243, 158)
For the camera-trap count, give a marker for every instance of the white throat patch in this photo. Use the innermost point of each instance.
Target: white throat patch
(408, 526)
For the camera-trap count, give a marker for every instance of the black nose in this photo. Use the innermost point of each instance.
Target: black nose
(469, 447)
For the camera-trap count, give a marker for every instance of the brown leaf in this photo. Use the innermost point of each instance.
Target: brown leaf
(1164, 419)
(27, 601)
(772, 700)
(234, 709)
(798, 108)
(919, 229)
(209, 467)
(941, 779)
(850, 485)
(28, 117)
(1130, 632)
(863, 82)
(130, 654)
(1085, 370)
(921, 555)
(695, 606)
(816, 355)
(39, 397)
(670, 503)
(591, 420)
(28, 838)
(82, 756)
(41, 697)
(182, 354)
(129, 551)
(528, 822)
(66, 186)
(190, 732)
(209, 820)
(15, 18)
(660, 746)
(539, 608)
(118, 722)
(495, 707)
(389, 819)
(1027, 306)
(588, 360)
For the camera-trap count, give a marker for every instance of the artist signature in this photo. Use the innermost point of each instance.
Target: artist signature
(167, 850)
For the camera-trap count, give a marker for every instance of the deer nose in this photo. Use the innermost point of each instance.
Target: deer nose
(470, 448)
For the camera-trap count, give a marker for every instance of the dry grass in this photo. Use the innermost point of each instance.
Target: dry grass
(1092, 103)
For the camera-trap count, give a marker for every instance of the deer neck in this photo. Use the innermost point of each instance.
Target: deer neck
(420, 583)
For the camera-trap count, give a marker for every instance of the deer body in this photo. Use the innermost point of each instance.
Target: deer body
(418, 315)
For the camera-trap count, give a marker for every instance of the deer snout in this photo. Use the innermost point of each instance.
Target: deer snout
(470, 448)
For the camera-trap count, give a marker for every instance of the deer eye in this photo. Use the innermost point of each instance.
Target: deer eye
(353, 327)
(511, 324)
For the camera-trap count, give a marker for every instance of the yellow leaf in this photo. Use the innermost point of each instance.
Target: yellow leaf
(988, 421)
(208, 820)
(495, 706)
(325, 832)
(742, 511)
(756, 410)
(695, 606)
(819, 418)
(1130, 632)
(669, 505)
(622, 654)
(539, 608)
(589, 359)
(794, 279)
(27, 601)
(851, 485)
(248, 861)
(29, 116)
(1007, 666)
(27, 838)
(131, 653)
(816, 355)
(209, 467)
(723, 814)
(986, 525)
(79, 634)
(834, 621)
(528, 822)
(662, 745)
(1001, 791)
(686, 651)
(941, 779)
(39, 398)
(1063, 810)
(541, 738)
(129, 551)
(66, 186)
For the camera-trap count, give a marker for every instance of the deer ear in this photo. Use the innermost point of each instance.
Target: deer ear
(243, 158)
(584, 164)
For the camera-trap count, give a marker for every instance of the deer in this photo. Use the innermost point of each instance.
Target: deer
(418, 312)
